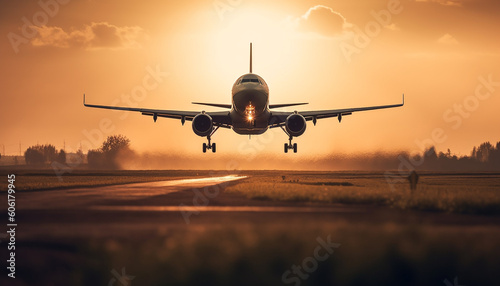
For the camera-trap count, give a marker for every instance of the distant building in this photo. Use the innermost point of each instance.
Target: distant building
(6, 160)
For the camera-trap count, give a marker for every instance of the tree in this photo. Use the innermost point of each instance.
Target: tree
(483, 152)
(95, 158)
(40, 154)
(49, 153)
(33, 156)
(431, 158)
(106, 156)
(431, 153)
(114, 144)
(61, 157)
(79, 153)
(495, 157)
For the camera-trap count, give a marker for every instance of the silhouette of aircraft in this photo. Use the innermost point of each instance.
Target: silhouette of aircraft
(250, 113)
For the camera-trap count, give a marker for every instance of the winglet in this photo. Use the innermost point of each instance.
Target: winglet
(403, 99)
(84, 99)
(250, 57)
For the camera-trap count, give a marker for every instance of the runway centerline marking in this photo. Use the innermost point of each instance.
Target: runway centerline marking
(210, 180)
(223, 209)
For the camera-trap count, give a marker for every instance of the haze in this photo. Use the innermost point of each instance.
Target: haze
(443, 55)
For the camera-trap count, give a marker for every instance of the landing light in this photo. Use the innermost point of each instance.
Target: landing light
(250, 112)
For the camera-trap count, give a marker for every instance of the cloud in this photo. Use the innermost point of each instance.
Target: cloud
(94, 36)
(456, 3)
(322, 20)
(447, 39)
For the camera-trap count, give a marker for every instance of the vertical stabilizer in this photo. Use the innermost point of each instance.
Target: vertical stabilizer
(250, 57)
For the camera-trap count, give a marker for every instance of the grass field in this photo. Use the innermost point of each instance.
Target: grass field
(458, 193)
(260, 255)
(246, 252)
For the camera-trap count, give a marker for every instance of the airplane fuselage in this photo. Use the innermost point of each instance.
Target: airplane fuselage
(250, 105)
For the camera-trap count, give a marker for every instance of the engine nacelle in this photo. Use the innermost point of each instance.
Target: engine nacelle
(295, 124)
(202, 125)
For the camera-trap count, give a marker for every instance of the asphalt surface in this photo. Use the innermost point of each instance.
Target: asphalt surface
(122, 210)
(58, 230)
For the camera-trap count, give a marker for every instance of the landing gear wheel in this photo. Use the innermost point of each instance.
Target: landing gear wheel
(289, 145)
(204, 147)
(213, 147)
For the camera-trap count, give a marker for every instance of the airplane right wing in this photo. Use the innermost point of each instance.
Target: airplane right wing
(278, 118)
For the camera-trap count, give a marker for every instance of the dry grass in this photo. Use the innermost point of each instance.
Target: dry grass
(449, 193)
(259, 255)
(458, 193)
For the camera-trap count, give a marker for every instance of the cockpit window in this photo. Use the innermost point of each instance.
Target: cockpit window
(250, 80)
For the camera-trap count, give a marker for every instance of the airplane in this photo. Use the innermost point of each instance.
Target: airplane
(249, 114)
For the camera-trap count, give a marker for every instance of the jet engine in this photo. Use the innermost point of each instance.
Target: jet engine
(202, 125)
(295, 124)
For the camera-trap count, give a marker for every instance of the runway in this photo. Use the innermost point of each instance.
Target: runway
(147, 207)
(181, 228)
(88, 197)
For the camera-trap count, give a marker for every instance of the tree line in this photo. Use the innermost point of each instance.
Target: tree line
(43, 154)
(485, 157)
(104, 157)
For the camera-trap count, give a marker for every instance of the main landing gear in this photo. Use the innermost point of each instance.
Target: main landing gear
(210, 146)
(289, 145)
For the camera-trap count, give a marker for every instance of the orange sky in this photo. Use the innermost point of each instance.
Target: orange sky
(332, 54)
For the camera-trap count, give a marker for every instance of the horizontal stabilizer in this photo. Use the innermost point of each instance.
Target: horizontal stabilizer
(271, 106)
(214, 104)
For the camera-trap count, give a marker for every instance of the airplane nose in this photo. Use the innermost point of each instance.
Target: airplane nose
(253, 100)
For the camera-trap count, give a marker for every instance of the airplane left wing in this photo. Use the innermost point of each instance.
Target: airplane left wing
(220, 119)
(278, 118)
